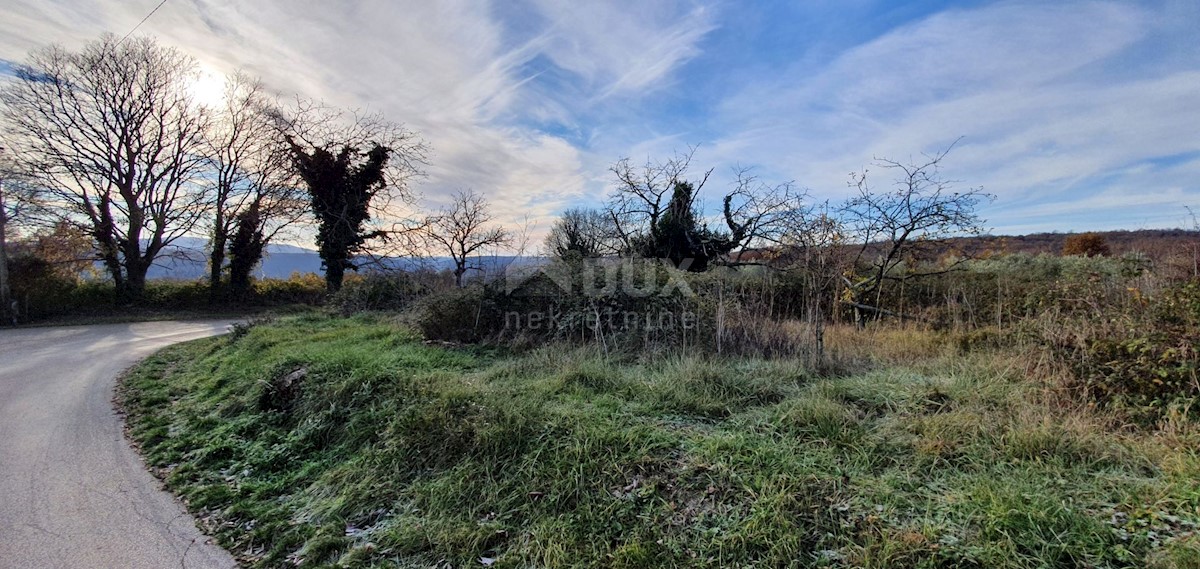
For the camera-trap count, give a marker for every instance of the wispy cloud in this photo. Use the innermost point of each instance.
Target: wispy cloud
(1044, 95)
(624, 47)
(529, 101)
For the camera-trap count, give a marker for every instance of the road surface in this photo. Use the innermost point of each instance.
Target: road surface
(72, 492)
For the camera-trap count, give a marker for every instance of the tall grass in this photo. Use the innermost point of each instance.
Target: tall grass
(391, 452)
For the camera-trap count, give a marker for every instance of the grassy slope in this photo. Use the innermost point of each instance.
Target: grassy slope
(395, 453)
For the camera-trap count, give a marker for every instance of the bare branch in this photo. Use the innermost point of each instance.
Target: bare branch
(462, 229)
(112, 136)
(921, 210)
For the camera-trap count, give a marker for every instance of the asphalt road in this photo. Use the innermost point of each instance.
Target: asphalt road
(73, 494)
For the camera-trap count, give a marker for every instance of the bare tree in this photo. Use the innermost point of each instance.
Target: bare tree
(656, 212)
(463, 229)
(760, 214)
(255, 193)
(113, 136)
(893, 228)
(356, 168)
(588, 233)
(815, 246)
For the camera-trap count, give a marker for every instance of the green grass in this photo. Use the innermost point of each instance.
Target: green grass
(393, 453)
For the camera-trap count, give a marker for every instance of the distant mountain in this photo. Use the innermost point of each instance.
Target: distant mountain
(187, 259)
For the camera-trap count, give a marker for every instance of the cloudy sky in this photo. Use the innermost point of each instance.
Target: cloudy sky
(1076, 115)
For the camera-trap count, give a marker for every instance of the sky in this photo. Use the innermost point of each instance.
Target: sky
(1075, 115)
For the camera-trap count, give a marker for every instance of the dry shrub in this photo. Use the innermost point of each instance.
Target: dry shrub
(1139, 357)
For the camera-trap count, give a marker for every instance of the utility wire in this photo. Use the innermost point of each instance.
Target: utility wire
(139, 24)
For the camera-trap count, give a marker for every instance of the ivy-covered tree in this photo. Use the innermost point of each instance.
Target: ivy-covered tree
(679, 235)
(245, 249)
(355, 169)
(248, 168)
(341, 186)
(656, 213)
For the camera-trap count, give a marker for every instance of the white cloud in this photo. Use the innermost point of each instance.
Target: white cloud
(622, 47)
(1050, 100)
(1035, 90)
(439, 67)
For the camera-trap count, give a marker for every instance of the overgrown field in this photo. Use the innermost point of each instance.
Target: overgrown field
(322, 441)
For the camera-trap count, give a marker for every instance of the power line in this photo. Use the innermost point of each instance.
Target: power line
(139, 24)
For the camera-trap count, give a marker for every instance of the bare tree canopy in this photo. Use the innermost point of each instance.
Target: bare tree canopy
(922, 210)
(111, 134)
(656, 212)
(813, 245)
(463, 230)
(587, 233)
(255, 193)
(761, 214)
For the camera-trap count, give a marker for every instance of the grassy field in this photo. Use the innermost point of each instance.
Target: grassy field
(319, 441)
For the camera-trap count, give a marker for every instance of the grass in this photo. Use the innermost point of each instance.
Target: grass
(382, 451)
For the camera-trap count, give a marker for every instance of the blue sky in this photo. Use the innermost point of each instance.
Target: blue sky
(1076, 115)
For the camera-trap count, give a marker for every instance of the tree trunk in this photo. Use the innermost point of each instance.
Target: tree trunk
(819, 337)
(135, 281)
(216, 263)
(334, 274)
(216, 259)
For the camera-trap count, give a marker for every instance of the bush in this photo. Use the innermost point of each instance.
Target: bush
(377, 292)
(176, 295)
(456, 315)
(44, 293)
(615, 304)
(1005, 290)
(306, 288)
(1143, 359)
(38, 288)
(1087, 245)
(628, 305)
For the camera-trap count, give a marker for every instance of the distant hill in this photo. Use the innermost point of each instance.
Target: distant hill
(188, 260)
(1155, 243)
(1172, 245)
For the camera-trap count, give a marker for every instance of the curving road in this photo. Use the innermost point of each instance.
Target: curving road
(72, 492)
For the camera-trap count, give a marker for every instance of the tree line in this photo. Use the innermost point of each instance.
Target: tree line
(846, 252)
(110, 140)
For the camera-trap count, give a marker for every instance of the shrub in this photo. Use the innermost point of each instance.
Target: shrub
(36, 285)
(619, 304)
(1143, 359)
(457, 315)
(376, 291)
(306, 288)
(1087, 245)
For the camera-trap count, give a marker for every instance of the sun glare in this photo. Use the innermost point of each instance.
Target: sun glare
(209, 87)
